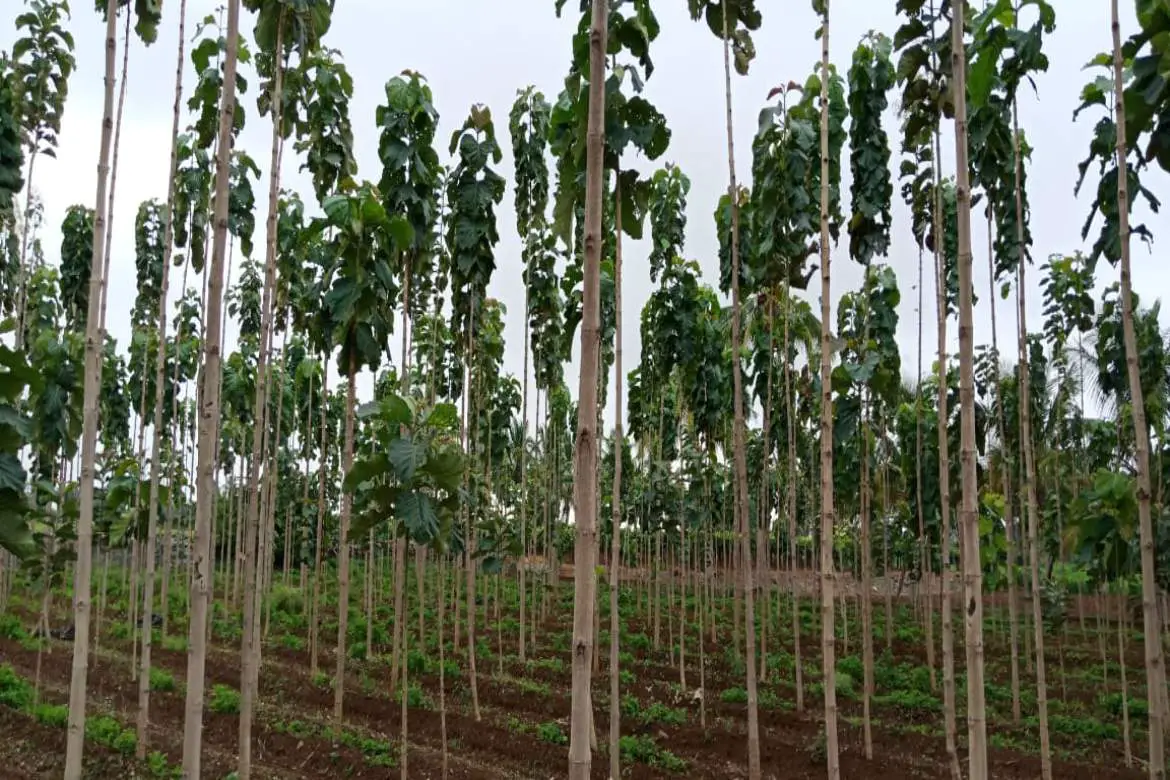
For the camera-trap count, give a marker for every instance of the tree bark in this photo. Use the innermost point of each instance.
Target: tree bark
(209, 413)
(343, 551)
(1155, 671)
(969, 507)
(1029, 486)
(156, 436)
(828, 513)
(615, 554)
(738, 434)
(944, 481)
(585, 449)
(315, 619)
(1005, 476)
(75, 740)
(256, 519)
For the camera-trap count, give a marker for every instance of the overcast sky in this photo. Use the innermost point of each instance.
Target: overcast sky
(476, 51)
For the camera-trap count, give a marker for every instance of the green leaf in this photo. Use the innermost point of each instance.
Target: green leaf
(445, 468)
(12, 476)
(401, 231)
(406, 456)
(15, 535)
(416, 512)
(366, 470)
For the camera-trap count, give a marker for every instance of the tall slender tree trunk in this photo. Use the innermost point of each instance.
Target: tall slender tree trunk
(156, 436)
(1155, 670)
(615, 554)
(866, 575)
(794, 564)
(944, 482)
(315, 618)
(738, 435)
(1029, 488)
(209, 413)
(1005, 476)
(255, 519)
(343, 551)
(828, 513)
(585, 447)
(75, 740)
(969, 508)
(520, 568)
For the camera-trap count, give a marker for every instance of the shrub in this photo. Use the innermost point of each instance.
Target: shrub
(224, 700)
(161, 680)
(552, 733)
(11, 627)
(644, 750)
(734, 696)
(291, 642)
(416, 697)
(15, 692)
(52, 714)
(174, 644)
(290, 601)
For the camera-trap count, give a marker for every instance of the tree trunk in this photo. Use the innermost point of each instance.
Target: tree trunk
(741, 481)
(343, 551)
(585, 449)
(866, 576)
(254, 543)
(615, 554)
(969, 508)
(944, 482)
(794, 564)
(1155, 671)
(156, 437)
(315, 619)
(209, 413)
(1029, 487)
(75, 741)
(1008, 514)
(828, 513)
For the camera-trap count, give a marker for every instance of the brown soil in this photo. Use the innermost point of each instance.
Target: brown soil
(503, 743)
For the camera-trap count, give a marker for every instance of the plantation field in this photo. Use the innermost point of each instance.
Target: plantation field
(523, 725)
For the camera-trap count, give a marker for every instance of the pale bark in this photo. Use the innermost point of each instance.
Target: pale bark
(156, 436)
(1155, 670)
(828, 513)
(75, 740)
(615, 554)
(969, 506)
(315, 605)
(794, 564)
(255, 520)
(738, 433)
(209, 412)
(1008, 514)
(1029, 487)
(585, 449)
(343, 544)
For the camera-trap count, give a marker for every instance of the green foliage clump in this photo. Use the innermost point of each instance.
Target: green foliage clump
(15, 692)
(644, 750)
(161, 680)
(552, 733)
(11, 627)
(106, 730)
(51, 714)
(224, 700)
(734, 696)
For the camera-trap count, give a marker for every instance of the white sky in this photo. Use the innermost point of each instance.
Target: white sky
(476, 51)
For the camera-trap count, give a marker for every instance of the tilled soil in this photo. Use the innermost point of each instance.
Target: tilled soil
(490, 747)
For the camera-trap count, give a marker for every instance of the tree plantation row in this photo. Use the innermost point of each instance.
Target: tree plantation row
(797, 553)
